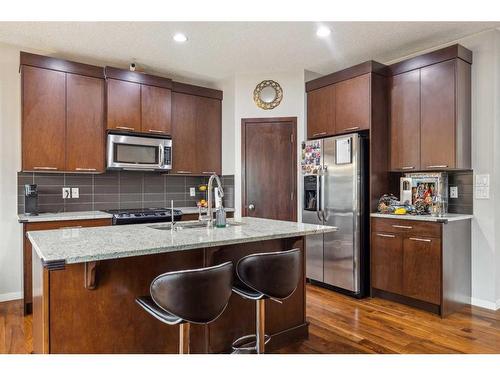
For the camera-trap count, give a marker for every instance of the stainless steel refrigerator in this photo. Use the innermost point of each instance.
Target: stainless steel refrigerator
(335, 193)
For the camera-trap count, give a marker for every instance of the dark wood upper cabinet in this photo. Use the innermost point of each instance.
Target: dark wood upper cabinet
(209, 129)
(184, 134)
(321, 112)
(196, 127)
(43, 119)
(387, 262)
(124, 105)
(422, 268)
(84, 124)
(155, 110)
(405, 121)
(352, 104)
(438, 105)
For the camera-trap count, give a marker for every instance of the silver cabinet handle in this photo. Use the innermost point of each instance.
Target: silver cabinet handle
(386, 235)
(317, 134)
(251, 207)
(75, 227)
(437, 166)
(408, 167)
(208, 172)
(401, 226)
(420, 239)
(46, 168)
(86, 169)
(183, 172)
(156, 131)
(124, 128)
(351, 128)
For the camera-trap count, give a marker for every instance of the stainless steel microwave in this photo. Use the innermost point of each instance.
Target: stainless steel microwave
(138, 152)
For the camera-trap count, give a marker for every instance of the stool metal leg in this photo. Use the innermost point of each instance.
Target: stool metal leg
(261, 326)
(184, 338)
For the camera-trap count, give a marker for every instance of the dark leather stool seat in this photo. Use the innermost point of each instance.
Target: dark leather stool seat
(191, 296)
(265, 276)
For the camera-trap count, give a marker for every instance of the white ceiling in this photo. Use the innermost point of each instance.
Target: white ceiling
(216, 50)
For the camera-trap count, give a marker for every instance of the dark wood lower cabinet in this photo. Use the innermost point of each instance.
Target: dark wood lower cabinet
(423, 264)
(70, 318)
(27, 250)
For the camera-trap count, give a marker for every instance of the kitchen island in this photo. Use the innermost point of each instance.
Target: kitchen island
(85, 281)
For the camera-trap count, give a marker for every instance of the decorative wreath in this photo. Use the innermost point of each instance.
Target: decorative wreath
(277, 99)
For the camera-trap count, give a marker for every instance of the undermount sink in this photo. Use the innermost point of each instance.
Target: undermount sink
(189, 225)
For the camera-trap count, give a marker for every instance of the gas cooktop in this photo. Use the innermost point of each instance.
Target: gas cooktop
(144, 215)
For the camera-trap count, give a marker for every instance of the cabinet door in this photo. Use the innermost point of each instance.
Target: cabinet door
(405, 121)
(438, 116)
(185, 140)
(321, 112)
(124, 105)
(209, 130)
(352, 104)
(84, 124)
(387, 262)
(156, 110)
(44, 119)
(422, 269)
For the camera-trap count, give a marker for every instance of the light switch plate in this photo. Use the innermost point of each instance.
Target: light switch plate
(482, 186)
(192, 192)
(75, 193)
(66, 192)
(453, 191)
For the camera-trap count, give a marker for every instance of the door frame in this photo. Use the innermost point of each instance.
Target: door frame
(259, 120)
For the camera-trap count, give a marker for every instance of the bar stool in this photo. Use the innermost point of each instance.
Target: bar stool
(265, 276)
(197, 296)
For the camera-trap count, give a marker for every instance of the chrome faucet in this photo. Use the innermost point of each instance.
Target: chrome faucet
(209, 217)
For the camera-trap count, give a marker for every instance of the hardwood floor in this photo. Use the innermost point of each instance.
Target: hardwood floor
(340, 324)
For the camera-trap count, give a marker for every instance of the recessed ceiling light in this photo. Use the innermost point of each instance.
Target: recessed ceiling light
(180, 38)
(323, 31)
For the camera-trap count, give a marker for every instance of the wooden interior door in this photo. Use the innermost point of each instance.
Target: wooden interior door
(155, 110)
(85, 124)
(321, 112)
(269, 168)
(352, 104)
(437, 130)
(44, 119)
(405, 121)
(124, 105)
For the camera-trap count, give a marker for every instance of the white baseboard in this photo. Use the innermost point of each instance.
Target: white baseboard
(486, 304)
(10, 296)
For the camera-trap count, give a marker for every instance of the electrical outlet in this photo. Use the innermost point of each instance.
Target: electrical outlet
(192, 192)
(66, 192)
(453, 191)
(482, 188)
(75, 193)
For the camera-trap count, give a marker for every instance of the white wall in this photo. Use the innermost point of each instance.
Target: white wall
(485, 160)
(10, 163)
(243, 106)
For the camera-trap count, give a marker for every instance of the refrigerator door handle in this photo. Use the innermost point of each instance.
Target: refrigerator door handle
(324, 214)
(318, 197)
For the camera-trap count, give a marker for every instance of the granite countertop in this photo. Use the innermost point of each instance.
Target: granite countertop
(61, 216)
(78, 245)
(87, 215)
(437, 219)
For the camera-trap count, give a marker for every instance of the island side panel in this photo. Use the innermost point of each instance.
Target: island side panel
(284, 322)
(40, 300)
(107, 319)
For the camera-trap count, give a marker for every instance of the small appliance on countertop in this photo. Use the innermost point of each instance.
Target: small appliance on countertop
(144, 215)
(30, 199)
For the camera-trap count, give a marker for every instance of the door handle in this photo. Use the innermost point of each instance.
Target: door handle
(420, 239)
(351, 128)
(401, 226)
(251, 207)
(437, 166)
(386, 235)
(124, 128)
(318, 134)
(408, 167)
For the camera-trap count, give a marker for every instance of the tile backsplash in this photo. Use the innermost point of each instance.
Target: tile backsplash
(463, 180)
(116, 190)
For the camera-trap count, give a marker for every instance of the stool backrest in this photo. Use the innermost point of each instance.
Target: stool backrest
(274, 274)
(196, 296)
